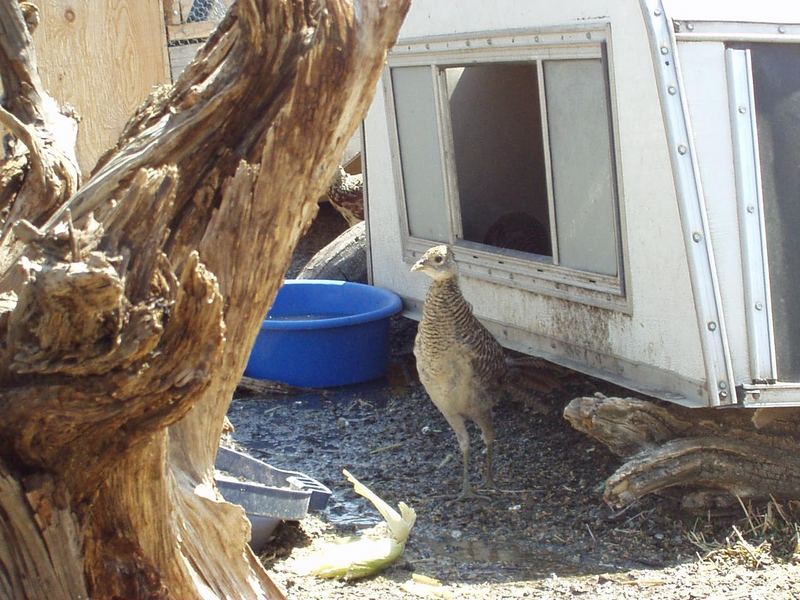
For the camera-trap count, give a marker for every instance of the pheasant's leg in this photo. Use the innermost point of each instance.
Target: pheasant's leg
(462, 435)
(487, 433)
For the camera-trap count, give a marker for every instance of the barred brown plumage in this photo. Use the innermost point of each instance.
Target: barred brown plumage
(346, 195)
(460, 363)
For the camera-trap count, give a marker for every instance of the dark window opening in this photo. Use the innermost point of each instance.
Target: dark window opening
(496, 126)
(776, 80)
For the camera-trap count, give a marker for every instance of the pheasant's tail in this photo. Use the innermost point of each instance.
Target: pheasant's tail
(529, 379)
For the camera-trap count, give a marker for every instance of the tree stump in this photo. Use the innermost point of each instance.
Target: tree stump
(128, 307)
(707, 457)
(343, 259)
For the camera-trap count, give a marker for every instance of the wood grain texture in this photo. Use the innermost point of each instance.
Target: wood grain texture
(131, 312)
(172, 12)
(103, 57)
(704, 456)
(191, 31)
(38, 169)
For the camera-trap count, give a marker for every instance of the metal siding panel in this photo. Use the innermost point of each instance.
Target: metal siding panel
(691, 202)
(705, 81)
(765, 11)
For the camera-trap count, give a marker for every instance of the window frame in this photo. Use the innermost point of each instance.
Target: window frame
(591, 40)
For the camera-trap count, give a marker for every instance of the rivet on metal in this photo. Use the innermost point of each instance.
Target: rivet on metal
(690, 26)
(781, 29)
(672, 90)
(712, 326)
(759, 306)
(751, 209)
(723, 385)
(697, 236)
(682, 149)
(742, 110)
(664, 50)
(657, 12)
(723, 395)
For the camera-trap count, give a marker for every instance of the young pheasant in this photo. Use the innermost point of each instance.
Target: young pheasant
(459, 362)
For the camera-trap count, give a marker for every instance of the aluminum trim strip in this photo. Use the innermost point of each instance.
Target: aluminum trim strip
(750, 208)
(691, 205)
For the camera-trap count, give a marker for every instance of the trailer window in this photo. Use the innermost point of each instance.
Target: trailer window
(418, 137)
(582, 164)
(776, 82)
(513, 158)
(499, 156)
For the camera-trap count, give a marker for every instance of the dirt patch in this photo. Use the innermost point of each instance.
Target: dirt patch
(546, 534)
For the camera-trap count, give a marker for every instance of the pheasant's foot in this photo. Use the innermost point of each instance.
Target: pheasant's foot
(468, 493)
(488, 485)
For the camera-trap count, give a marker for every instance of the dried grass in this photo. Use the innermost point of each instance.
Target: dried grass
(764, 535)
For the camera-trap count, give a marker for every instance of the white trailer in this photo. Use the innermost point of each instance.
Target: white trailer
(620, 181)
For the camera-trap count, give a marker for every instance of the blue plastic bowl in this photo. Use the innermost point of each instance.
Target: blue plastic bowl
(322, 333)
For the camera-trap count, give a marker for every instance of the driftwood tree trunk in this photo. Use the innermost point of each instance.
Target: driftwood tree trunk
(128, 309)
(707, 457)
(343, 259)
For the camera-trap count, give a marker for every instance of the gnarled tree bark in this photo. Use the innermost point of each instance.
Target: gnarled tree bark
(128, 309)
(707, 457)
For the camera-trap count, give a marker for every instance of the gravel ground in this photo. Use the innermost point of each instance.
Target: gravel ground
(546, 534)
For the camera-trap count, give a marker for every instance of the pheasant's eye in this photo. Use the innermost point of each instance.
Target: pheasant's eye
(438, 259)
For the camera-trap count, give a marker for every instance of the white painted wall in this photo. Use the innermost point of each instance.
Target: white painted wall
(661, 329)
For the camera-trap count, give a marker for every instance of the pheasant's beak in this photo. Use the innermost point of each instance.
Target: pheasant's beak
(418, 265)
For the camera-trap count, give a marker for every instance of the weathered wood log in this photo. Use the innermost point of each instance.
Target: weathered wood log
(343, 259)
(128, 312)
(39, 169)
(702, 455)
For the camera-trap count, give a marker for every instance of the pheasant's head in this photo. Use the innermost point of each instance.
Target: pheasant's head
(438, 263)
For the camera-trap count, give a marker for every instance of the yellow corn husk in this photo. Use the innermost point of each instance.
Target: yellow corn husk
(369, 554)
(425, 590)
(426, 587)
